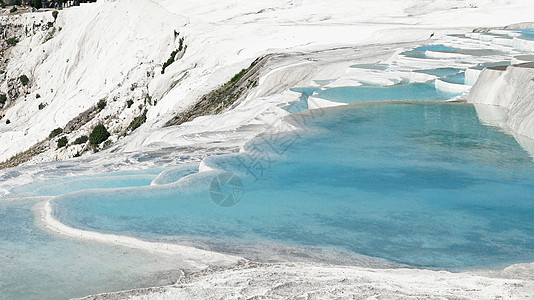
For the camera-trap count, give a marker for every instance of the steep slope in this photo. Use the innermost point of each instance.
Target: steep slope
(114, 51)
(94, 55)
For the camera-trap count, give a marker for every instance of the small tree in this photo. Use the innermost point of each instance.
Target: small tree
(98, 135)
(12, 41)
(101, 104)
(3, 98)
(37, 4)
(24, 79)
(55, 132)
(62, 142)
(81, 140)
(55, 13)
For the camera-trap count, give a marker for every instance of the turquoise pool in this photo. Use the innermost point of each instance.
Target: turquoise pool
(421, 184)
(415, 91)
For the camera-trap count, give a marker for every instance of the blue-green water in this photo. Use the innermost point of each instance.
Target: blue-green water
(440, 72)
(37, 265)
(456, 78)
(419, 52)
(526, 34)
(55, 187)
(380, 67)
(415, 91)
(302, 104)
(423, 184)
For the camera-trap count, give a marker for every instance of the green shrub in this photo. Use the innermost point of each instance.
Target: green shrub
(7, 121)
(81, 140)
(24, 79)
(138, 121)
(13, 9)
(50, 24)
(3, 98)
(37, 96)
(98, 135)
(62, 142)
(12, 41)
(169, 61)
(101, 104)
(42, 106)
(55, 132)
(238, 76)
(55, 13)
(129, 103)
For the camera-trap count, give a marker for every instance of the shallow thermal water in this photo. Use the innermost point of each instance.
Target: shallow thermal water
(55, 187)
(423, 184)
(37, 265)
(419, 52)
(418, 184)
(414, 91)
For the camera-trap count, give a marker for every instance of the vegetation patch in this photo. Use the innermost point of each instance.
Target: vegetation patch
(3, 99)
(81, 140)
(181, 47)
(24, 79)
(224, 97)
(12, 41)
(101, 104)
(55, 132)
(99, 134)
(62, 142)
(138, 121)
(24, 156)
(169, 61)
